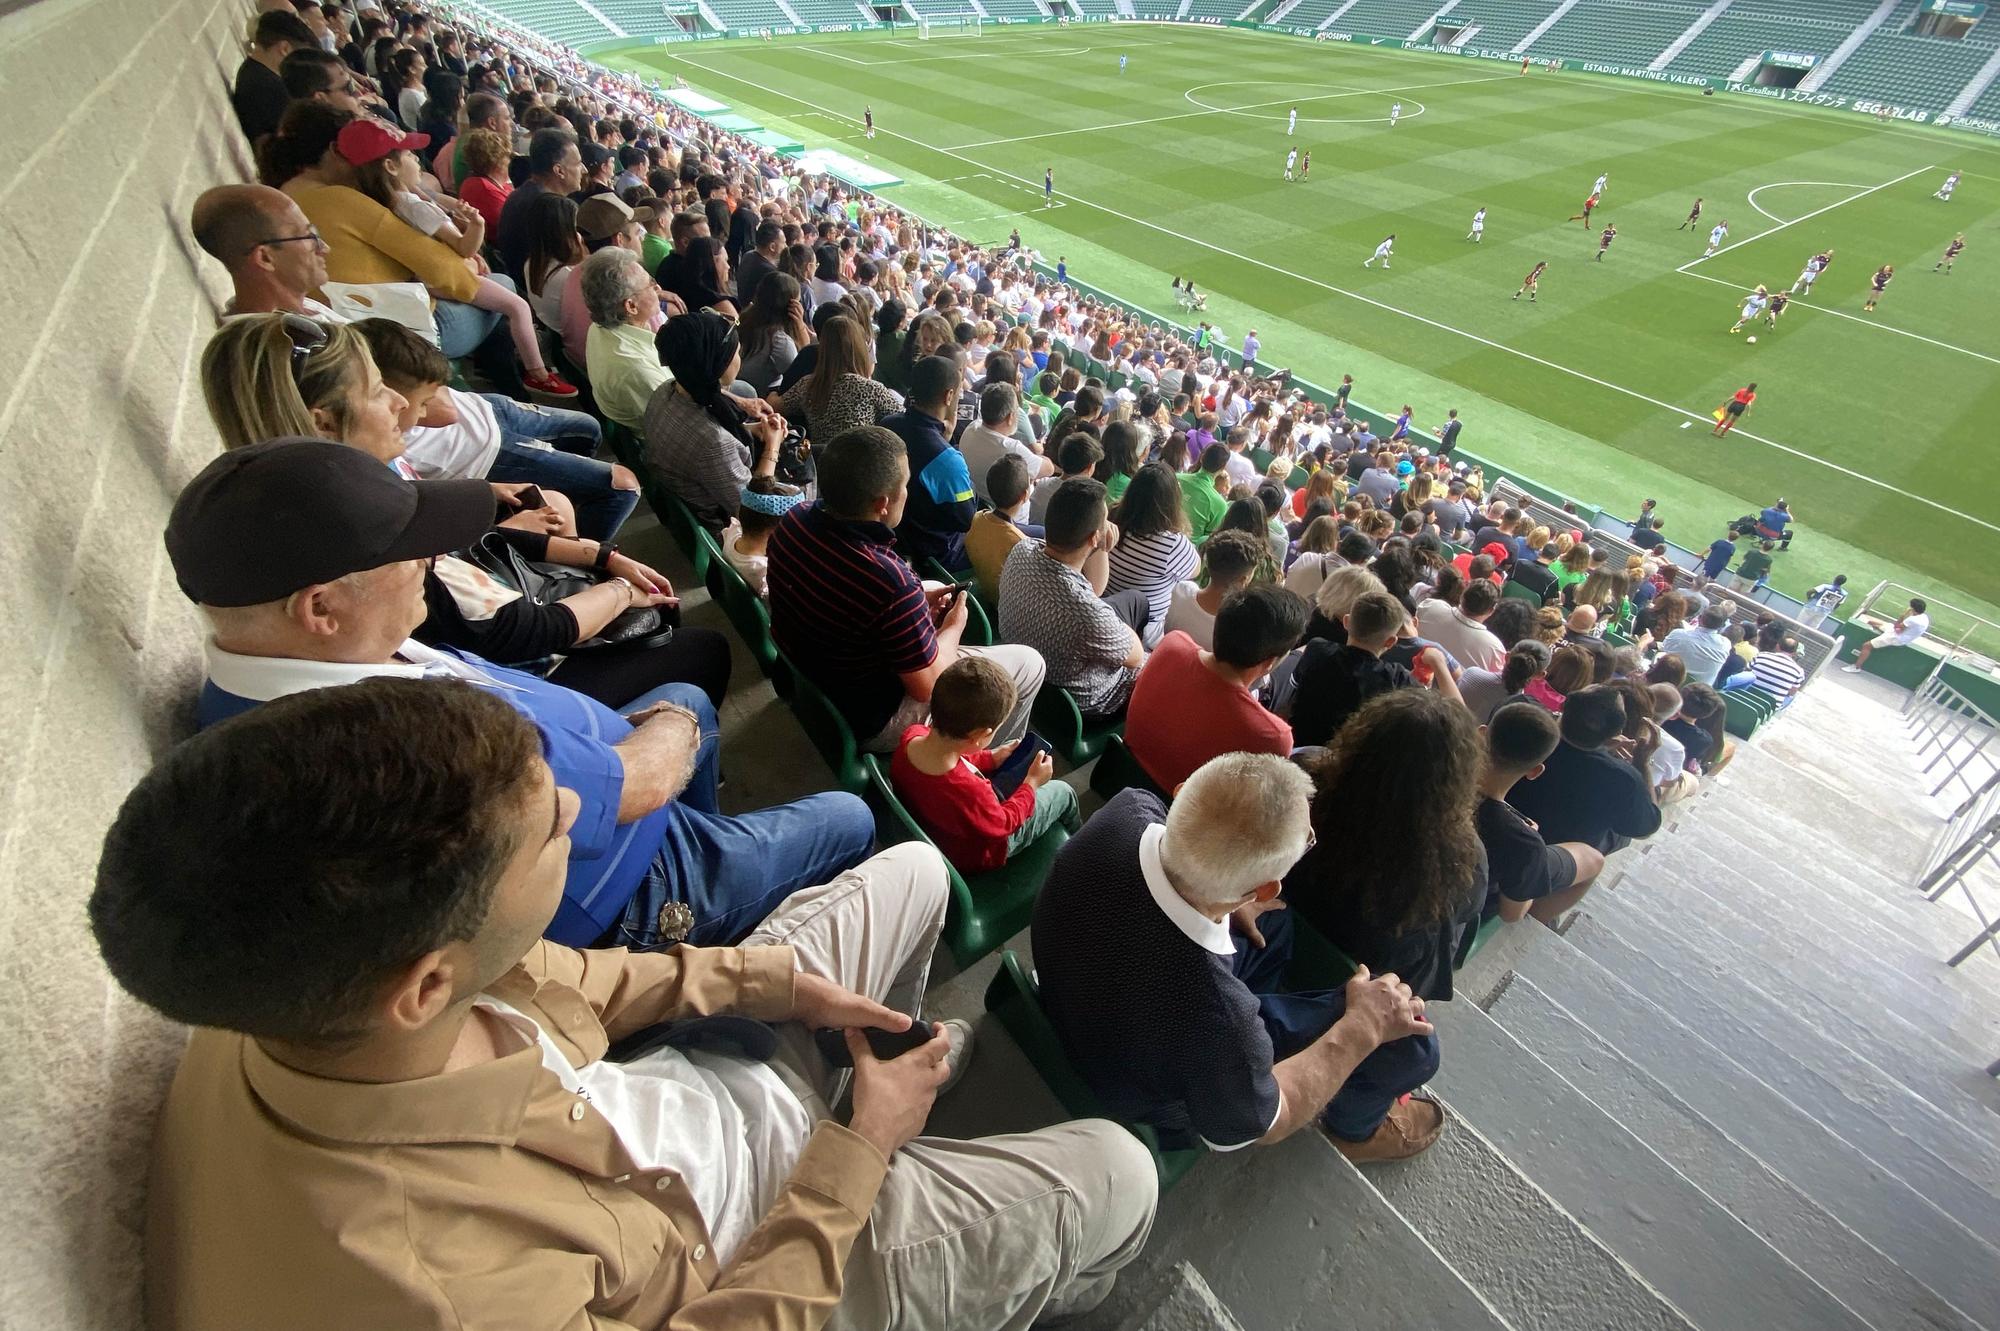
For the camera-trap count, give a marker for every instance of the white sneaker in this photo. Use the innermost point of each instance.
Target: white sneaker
(960, 1057)
(1850, 669)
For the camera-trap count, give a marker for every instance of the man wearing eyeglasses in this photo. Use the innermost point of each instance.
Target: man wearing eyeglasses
(320, 76)
(274, 256)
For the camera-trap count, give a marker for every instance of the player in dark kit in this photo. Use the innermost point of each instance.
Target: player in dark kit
(1950, 255)
(1877, 283)
(868, 120)
(1693, 218)
(1779, 299)
(1531, 281)
(1604, 241)
(1306, 165)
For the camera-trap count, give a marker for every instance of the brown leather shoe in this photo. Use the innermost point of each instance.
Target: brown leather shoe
(1413, 1124)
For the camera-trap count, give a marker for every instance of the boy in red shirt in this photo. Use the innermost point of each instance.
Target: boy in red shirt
(941, 771)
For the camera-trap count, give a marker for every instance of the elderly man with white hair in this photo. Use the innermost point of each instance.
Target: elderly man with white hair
(1159, 942)
(619, 355)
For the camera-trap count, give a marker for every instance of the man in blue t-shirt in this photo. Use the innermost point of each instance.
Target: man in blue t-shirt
(1159, 942)
(308, 558)
(941, 503)
(1720, 552)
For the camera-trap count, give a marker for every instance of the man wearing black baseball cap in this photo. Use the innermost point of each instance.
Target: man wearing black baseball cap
(307, 558)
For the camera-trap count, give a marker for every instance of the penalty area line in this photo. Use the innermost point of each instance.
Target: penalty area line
(1842, 314)
(1804, 217)
(1411, 315)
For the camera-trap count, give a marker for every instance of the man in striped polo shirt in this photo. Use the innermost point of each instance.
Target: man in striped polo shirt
(1778, 671)
(851, 614)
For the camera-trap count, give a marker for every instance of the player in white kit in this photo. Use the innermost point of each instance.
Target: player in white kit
(1944, 190)
(1291, 160)
(1292, 122)
(1715, 238)
(1394, 112)
(1382, 252)
(1602, 180)
(1478, 232)
(1752, 307)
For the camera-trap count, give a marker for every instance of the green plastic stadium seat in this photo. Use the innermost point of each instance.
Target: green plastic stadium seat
(1520, 593)
(752, 621)
(625, 445)
(828, 730)
(717, 566)
(1743, 712)
(1316, 963)
(1486, 931)
(1014, 998)
(1298, 477)
(680, 522)
(1118, 770)
(1261, 459)
(1060, 721)
(986, 909)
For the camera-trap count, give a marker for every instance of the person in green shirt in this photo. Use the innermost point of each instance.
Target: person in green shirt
(1755, 568)
(1043, 395)
(656, 244)
(1201, 489)
(1124, 454)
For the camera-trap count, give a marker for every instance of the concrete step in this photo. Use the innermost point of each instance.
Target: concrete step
(1694, 1251)
(1770, 787)
(1776, 840)
(1864, 1279)
(1291, 1237)
(1537, 1264)
(1857, 1177)
(1184, 1302)
(1890, 1123)
(1964, 1003)
(1854, 1006)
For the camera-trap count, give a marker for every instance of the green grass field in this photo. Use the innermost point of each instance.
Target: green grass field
(1874, 426)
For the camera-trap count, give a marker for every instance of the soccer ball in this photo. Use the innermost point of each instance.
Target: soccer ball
(1751, 338)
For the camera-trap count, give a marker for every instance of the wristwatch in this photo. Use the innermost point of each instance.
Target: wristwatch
(605, 549)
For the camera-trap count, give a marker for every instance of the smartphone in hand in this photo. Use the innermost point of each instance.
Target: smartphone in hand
(831, 1042)
(1008, 776)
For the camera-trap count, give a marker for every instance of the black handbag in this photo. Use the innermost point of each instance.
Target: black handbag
(545, 584)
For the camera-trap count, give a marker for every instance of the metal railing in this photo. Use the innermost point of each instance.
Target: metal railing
(1968, 634)
(1952, 733)
(1968, 843)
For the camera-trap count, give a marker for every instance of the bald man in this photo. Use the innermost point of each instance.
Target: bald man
(273, 255)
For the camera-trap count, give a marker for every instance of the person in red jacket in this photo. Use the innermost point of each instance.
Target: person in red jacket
(944, 773)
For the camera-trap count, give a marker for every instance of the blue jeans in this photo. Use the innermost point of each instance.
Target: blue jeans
(1294, 1021)
(731, 872)
(601, 508)
(467, 330)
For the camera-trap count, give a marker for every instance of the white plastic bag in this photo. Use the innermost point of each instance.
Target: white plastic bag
(408, 303)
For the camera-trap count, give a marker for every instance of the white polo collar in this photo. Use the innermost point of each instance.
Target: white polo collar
(1213, 935)
(263, 678)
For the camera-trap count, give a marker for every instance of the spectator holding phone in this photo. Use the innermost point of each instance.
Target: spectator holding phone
(953, 783)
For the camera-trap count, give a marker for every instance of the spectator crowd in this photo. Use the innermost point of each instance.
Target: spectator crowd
(500, 1018)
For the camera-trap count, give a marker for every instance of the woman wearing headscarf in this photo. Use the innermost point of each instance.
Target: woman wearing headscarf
(703, 442)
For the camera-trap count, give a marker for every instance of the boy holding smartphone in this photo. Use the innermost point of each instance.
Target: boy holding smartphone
(947, 776)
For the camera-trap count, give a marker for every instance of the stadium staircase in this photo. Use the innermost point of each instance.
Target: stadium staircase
(1919, 73)
(1500, 25)
(565, 21)
(1975, 91)
(1390, 18)
(752, 13)
(1740, 1092)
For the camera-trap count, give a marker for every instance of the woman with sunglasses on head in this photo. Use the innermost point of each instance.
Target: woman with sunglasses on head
(276, 376)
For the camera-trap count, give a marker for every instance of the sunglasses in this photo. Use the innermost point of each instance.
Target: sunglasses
(307, 336)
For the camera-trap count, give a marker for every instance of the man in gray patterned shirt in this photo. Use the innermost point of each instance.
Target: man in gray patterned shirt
(1089, 642)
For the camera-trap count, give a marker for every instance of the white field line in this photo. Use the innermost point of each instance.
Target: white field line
(1842, 314)
(1751, 197)
(1384, 306)
(1803, 217)
(1221, 110)
(821, 50)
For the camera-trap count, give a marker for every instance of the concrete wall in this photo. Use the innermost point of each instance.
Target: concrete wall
(116, 116)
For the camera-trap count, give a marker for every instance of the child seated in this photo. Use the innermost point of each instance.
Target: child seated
(941, 772)
(766, 499)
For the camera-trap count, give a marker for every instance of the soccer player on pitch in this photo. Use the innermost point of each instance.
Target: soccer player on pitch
(1877, 284)
(1306, 165)
(1121, 63)
(1716, 236)
(1602, 180)
(1584, 216)
(1815, 266)
(1291, 160)
(1048, 186)
(1382, 252)
(1604, 240)
(1950, 255)
(1395, 112)
(1753, 305)
(1478, 232)
(1779, 300)
(868, 120)
(1944, 190)
(1693, 217)
(1292, 122)
(1531, 281)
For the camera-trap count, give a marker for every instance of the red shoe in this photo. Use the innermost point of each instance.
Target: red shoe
(549, 384)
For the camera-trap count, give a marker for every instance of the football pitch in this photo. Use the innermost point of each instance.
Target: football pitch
(1878, 427)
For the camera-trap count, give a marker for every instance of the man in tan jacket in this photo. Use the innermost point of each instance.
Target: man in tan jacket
(395, 1110)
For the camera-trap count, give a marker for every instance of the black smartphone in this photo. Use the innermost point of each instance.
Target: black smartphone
(832, 1042)
(949, 602)
(1008, 776)
(529, 497)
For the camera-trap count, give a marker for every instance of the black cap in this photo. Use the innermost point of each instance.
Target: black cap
(261, 522)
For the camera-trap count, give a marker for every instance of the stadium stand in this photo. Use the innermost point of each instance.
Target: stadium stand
(1223, 9)
(1014, 9)
(1922, 73)
(639, 18)
(1390, 18)
(559, 20)
(1987, 107)
(749, 13)
(1736, 1089)
(1621, 32)
(1097, 6)
(1749, 28)
(830, 11)
(1500, 24)
(1307, 13)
